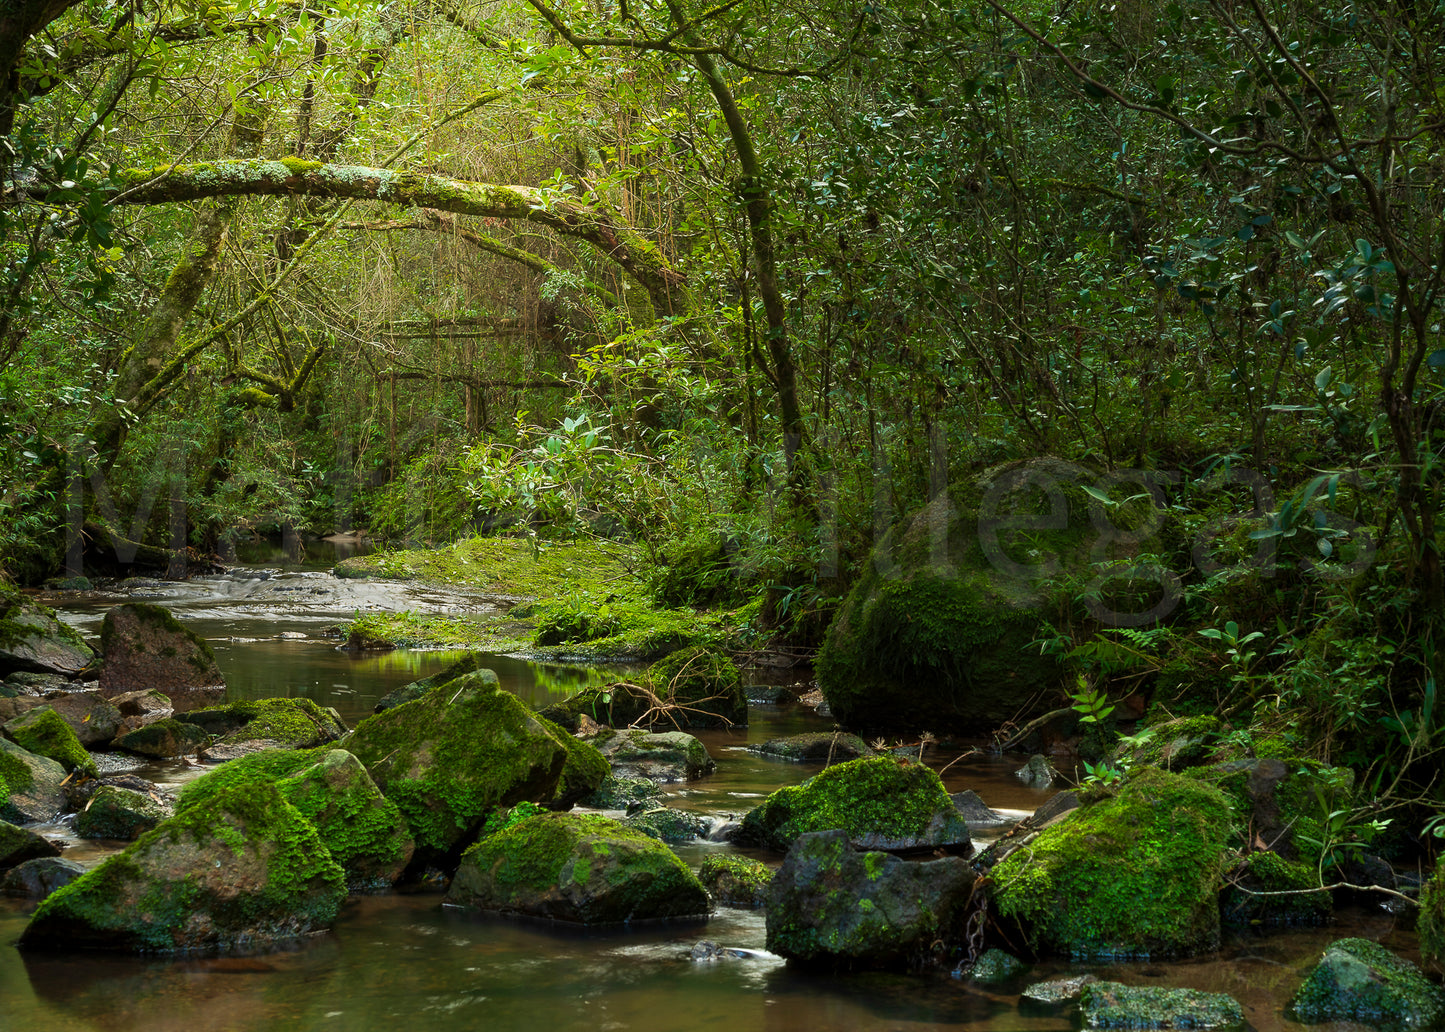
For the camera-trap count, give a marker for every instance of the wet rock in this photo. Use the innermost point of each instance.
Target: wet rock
(668, 825)
(35, 784)
(471, 663)
(705, 951)
(224, 752)
(1251, 897)
(146, 647)
(33, 639)
(121, 813)
(737, 881)
(243, 870)
(1132, 875)
(880, 802)
(18, 845)
(829, 747)
(582, 868)
(616, 793)
(830, 905)
(1056, 993)
(993, 967)
(583, 773)
(1175, 744)
(163, 739)
(450, 757)
(93, 718)
(1038, 772)
(1112, 1005)
(80, 792)
(1360, 980)
(137, 709)
(975, 812)
(669, 756)
(36, 879)
(33, 683)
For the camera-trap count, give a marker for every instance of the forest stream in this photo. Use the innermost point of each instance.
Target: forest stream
(403, 961)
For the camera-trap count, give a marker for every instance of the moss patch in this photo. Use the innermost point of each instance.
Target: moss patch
(1132, 875)
(44, 732)
(1360, 980)
(265, 767)
(294, 723)
(1432, 916)
(881, 802)
(515, 567)
(739, 881)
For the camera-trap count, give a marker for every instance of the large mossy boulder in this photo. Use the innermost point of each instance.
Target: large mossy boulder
(32, 638)
(938, 632)
(581, 868)
(283, 723)
(472, 662)
(34, 786)
(243, 871)
(43, 732)
(831, 905)
(583, 773)
(881, 802)
(364, 831)
(1137, 874)
(1360, 980)
(452, 756)
(144, 646)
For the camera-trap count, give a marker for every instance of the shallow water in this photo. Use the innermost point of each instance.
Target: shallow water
(406, 962)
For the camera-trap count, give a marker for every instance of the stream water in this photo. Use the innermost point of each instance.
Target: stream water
(402, 961)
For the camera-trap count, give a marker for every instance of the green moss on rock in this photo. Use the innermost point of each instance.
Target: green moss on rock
(267, 767)
(297, 723)
(1132, 875)
(120, 813)
(1254, 885)
(44, 732)
(738, 881)
(1431, 923)
(582, 868)
(1360, 980)
(881, 802)
(1114, 1005)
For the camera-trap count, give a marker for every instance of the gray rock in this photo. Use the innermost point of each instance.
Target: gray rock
(975, 811)
(17, 845)
(670, 756)
(36, 879)
(1037, 773)
(137, 709)
(93, 718)
(146, 647)
(163, 739)
(738, 881)
(36, 786)
(33, 639)
(830, 905)
(829, 747)
(993, 967)
(1056, 992)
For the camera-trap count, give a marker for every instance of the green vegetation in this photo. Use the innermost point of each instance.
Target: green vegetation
(738, 881)
(1360, 980)
(44, 732)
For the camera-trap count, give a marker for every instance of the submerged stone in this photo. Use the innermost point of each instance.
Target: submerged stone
(1113, 1005)
(243, 871)
(882, 803)
(582, 868)
(830, 905)
(452, 756)
(1360, 980)
(146, 647)
(1132, 875)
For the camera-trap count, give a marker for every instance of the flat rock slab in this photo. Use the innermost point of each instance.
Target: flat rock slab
(146, 647)
(1113, 1005)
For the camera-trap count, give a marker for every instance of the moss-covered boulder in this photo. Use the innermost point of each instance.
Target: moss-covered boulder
(363, 830)
(582, 868)
(1137, 874)
(452, 756)
(93, 718)
(163, 739)
(938, 632)
(1360, 980)
(1174, 744)
(1283, 801)
(622, 793)
(472, 662)
(18, 845)
(244, 870)
(1267, 890)
(1114, 1005)
(284, 723)
(994, 967)
(43, 732)
(38, 878)
(668, 825)
(120, 813)
(583, 773)
(666, 756)
(34, 785)
(144, 646)
(736, 881)
(1431, 922)
(831, 905)
(881, 802)
(32, 638)
(820, 746)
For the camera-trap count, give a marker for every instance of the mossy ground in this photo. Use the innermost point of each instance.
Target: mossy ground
(512, 567)
(1132, 875)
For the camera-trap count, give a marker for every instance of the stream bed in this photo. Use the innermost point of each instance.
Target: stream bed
(402, 961)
